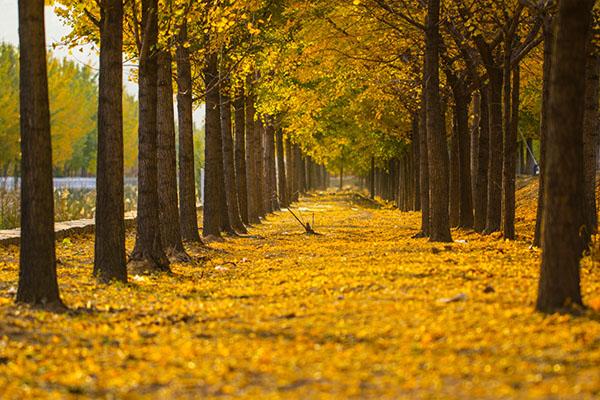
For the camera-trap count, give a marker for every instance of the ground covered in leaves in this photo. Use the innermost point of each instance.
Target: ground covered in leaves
(361, 310)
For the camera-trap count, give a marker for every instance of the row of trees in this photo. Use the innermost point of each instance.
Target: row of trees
(72, 93)
(375, 87)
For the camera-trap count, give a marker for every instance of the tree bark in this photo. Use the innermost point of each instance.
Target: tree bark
(170, 229)
(148, 248)
(240, 153)
(251, 156)
(437, 146)
(37, 262)
(465, 217)
(290, 163)
(481, 183)
(494, 196)
(590, 137)
(416, 148)
(110, 261)
(454, 205)
(373, 174)
(213, 155)
(509, 169)
(259, 133)
(271, 168)
(564, 203)
(281, 173)
(229, 174)
(188, 215)
(424, 167)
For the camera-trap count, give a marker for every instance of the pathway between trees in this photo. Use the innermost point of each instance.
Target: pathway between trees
(362, 310)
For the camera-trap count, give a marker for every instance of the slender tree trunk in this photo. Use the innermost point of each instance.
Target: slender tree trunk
(170, 229)
(271, 168)
(454, 205)
(240, 153)
(424, 167)
(481, 183)
(342, 169)
(494, 197)
(301, 170)
(259, 133)
(465, 218)
(37, 263)
(148, 248)
(281, 175)
(229, 175)
(510, 156)
(416, 148)
(292, 184)
(476, 105)
(110, 261)
(373, 184)
(213, 155)
(590, 137)
(529, 160)
(187, 173)
(251, 156)
(437, 146)
(564, 207)
(547, 71)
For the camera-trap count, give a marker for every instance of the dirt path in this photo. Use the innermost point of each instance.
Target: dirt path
(360, 311)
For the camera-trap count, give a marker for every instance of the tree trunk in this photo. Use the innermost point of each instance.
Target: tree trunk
(271, 168)
(509, 169)
(290, 163)
(564, 207)
(476, 105)
(213, 155)
(229, 175)
(188, 215)
(251, 155)
(590, 137)
(259, 133)
(240, 153)
(529, 160)
(494, 197)
(281, 176)
(373, 184)
(37, 263)
(110, 261)
(437, 146)
(416, 148)
(465, 218)
(547, 71)
(170, 230)
(424, 168)
(481, 182)
(454, 205)
(148, 250)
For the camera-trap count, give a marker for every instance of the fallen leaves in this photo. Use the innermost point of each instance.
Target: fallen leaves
(352, 313)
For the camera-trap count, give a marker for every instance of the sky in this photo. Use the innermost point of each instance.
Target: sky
(55, 30)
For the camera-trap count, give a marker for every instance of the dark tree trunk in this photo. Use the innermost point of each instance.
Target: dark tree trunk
(424, 168)
(481, 182)
(281, 175)
(465, 218)
(187, 174)
(170, 230)
(437, 146)
(213, 155)
(454, 206)
(476, 105)
(590, 137)
(272, 199)
(110, 261)
(416, 148)
(342, 169)
(240, 153)
(229, 174)
(290, 162)
(564, 207)
(494, 197)
(372, 179)
(148, 248)
(509, 170)
(37, 264)
(251, 156)
(547, 71)
(259, 133)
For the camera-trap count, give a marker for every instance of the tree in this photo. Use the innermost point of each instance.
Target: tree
(240, 152)
(148, 250)
(110, 262)
(37, 263)
(187, 180)
(170, 229)
(564, 202)
(437, 146)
